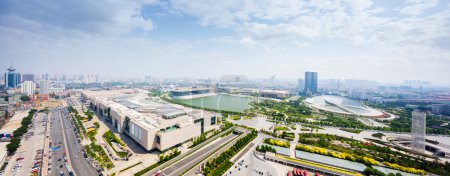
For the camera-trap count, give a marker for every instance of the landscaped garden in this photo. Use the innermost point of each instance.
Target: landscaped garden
(96, 152)
(295, 112)
(110, 137)
(276, 142)
(287, 135)
(282, 110)
(280, 128)
(93, 150)
(350, 130)
(265, 148)
(367, 152)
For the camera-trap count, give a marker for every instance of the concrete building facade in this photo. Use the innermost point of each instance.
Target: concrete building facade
(43, 87)
(418, 129)
(152, 123)
(440, 109)
(28, 87)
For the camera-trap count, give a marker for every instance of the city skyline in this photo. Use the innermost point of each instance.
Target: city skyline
(235, 87)
(64, 77)
(382, 41)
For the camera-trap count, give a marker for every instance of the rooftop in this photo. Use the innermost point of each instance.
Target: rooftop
(149, 112)
(342, 105)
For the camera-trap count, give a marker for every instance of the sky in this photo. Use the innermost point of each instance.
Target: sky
(385, 40)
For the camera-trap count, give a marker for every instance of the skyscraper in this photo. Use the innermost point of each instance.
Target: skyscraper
(310, 82)
(12, 79)
(28, 87)
(43, 87)
(418, 128)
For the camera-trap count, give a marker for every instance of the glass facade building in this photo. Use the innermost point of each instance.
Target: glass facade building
(12, 79)
(310, 82)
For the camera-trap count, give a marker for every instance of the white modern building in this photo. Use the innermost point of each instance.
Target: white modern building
(418, 129)
(343, 106)
(28, 87)
(278, 94)
(152, 123)
(43, 87)
(191, 92)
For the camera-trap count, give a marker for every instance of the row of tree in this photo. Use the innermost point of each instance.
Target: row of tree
(174, 153)
(266, 148)
(17, 134)
(369, 171)
(215, 163)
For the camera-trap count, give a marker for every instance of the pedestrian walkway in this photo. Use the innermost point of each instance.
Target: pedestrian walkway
(294, 142)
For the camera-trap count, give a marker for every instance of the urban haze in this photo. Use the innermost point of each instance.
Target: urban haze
(224, 88)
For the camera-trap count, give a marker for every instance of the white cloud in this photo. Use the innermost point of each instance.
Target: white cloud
(79, 16)
(341, 38)
(417, 7)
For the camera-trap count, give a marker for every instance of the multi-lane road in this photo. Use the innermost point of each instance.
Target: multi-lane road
(186, 163)
(64, 132)
(57, 146)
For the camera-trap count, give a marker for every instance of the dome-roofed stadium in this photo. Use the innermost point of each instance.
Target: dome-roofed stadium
(342, 105)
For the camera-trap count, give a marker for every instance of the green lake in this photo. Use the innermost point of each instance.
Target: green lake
(220, 102)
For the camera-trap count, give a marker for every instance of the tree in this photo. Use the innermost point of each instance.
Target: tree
(25, 98)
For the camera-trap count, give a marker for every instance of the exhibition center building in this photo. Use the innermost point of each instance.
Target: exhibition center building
(150, 121)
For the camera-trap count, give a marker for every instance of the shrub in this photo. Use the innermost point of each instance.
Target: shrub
(276, 142)
(405, 169)
(97, 125)
(357, 131)
(378, 135)
(266, 148)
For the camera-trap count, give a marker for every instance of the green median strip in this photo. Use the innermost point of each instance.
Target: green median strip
(211, 155)
(129, 167)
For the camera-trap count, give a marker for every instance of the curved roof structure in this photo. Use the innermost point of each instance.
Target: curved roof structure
(342, 105)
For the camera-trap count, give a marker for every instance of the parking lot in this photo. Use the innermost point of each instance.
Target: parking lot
(28, 157)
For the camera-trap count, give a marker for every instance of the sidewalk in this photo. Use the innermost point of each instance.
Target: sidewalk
(295, 142)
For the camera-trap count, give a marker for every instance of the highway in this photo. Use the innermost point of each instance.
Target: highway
(215, 154)
(79, 165)
(190, 161)
(57, 143)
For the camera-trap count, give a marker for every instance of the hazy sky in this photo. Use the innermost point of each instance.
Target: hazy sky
(390, 40)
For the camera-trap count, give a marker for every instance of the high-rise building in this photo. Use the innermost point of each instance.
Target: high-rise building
(27, 77)
(64, 78)
(440, 109)
(45, 76)
(28, 87)
(89, 78)
(310, 82)
(43, 87)
(12, 79)
(418, 128)
(301, 85)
